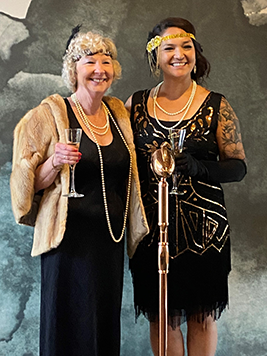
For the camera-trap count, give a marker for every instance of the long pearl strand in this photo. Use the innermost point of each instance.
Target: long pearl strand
(85, 121)
(188, 105)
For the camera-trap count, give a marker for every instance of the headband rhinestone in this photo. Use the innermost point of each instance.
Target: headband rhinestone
(85, 52)
(156, 41)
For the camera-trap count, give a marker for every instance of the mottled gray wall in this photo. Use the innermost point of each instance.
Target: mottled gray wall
(234, 36)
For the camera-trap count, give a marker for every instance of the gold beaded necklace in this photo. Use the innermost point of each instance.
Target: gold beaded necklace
(86, 123)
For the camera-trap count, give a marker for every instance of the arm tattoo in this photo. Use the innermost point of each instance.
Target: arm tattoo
(230, 134)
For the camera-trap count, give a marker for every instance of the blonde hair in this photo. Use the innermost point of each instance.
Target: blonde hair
(84, 44)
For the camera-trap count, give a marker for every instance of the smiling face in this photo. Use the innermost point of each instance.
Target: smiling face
(94, 73)
(177, 56)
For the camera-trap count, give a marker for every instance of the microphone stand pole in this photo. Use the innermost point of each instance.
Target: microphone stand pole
(162, 164)
(163, 264)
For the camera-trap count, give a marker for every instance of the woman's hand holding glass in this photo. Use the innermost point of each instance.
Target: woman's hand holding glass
(65, 154)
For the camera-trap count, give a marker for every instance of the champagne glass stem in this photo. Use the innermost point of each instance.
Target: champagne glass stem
(174, 183)
(72, 184)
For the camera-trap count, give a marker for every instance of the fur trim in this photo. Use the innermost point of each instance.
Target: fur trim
(35, 137)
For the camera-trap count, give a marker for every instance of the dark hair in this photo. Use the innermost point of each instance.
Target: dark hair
(202, 64)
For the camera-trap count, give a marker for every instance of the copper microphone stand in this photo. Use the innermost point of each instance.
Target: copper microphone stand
(163, 165)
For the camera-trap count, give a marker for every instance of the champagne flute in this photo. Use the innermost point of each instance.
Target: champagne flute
(73, 138)
(177, 137)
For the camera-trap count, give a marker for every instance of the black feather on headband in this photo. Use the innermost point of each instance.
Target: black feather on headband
(74, 33)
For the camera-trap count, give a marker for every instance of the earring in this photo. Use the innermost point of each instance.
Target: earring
(195, 69)
(157, 72)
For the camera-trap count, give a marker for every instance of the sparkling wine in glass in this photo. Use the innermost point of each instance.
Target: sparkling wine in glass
(73, 138)
(177, 137)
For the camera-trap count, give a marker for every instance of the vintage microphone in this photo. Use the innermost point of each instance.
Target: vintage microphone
(163, 165)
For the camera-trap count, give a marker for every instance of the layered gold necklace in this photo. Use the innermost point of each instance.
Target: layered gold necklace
(185, 108)
(89, 125)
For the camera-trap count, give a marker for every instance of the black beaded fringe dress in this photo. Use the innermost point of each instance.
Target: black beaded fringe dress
(199, 240)
(82, 279)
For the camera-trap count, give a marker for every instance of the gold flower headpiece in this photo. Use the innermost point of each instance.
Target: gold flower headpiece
(156, 42)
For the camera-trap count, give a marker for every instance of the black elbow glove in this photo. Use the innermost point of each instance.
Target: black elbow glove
(190, 166)
(230, 170)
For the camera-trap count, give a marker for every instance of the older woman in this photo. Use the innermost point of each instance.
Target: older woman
(199, 230)
(80, 240)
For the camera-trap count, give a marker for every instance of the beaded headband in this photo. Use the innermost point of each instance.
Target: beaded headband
(86, 52)
(77, 54)
(156, 41)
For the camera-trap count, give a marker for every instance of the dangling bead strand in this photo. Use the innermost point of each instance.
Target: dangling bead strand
(86, 123)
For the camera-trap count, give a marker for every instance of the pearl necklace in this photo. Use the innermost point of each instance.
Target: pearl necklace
(194, 87)
(105, 127)
(179, 111)
(85, 121)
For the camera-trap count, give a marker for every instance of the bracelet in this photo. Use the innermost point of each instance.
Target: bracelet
(57, 169)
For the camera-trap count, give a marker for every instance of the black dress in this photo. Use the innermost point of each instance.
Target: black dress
(82, 279)
(199, 240)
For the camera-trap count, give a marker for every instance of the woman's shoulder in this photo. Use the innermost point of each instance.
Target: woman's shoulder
(136, 98)
(33, 112)
(54, 98)
(54, 101)
(209, 97)
(141, 96)
(215, 100)
(207, 92)
(116, 105)
(113, 102)
(42, 114)
(142, 92)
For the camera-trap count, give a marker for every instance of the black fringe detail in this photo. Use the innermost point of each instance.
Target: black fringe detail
(178, 317)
